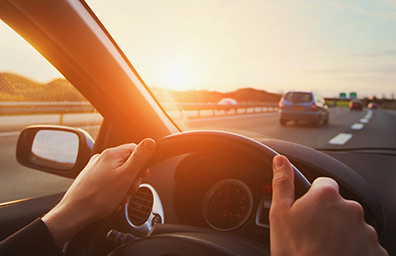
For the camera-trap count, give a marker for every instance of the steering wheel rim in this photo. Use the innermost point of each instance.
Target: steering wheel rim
(212, 142)
(202, 142)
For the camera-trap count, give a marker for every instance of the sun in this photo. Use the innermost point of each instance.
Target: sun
(178, 75)
(177, 78)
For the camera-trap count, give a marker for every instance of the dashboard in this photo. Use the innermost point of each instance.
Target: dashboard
(231, 193)
(224, 192)
(227, 193)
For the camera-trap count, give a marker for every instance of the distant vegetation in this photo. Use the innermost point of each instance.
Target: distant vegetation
(18, 88)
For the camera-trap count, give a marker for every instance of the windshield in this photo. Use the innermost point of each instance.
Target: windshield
(229, 63)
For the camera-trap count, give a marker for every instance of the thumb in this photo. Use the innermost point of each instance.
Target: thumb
(140, 156)
(282, 182)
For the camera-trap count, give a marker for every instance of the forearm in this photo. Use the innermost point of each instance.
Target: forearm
(61, 226)
(34, 239)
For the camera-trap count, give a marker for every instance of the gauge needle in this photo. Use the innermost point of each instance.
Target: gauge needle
(243, 214)
(224, 215)
(227, 192)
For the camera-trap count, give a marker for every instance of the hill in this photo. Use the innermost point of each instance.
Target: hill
(245, 95)
(18, 88)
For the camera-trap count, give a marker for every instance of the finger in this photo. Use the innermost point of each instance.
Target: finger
(325, 183)
(118, 209)
(139, 157)
(125, 200)
(144, 174)
(119, 155)
(126, 150)
(134, 187)
(136, 183)
(282, 182)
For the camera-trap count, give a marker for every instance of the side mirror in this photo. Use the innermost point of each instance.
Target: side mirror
(59, 150)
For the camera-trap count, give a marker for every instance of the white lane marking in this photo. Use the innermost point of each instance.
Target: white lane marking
(357, 126)
(9, 134)
(340, 139)
(369, 114)
(343, 138)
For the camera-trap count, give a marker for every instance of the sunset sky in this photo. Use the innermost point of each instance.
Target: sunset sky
(327, 46)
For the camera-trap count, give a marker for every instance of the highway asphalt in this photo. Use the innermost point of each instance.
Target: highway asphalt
(346, 129)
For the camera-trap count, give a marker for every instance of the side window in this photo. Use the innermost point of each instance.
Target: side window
(32, 91)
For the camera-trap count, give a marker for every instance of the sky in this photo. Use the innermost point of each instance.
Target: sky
(223, 45)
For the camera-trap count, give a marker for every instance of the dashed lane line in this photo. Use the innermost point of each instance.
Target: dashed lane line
(357, 126)
(369, 114)
(340, 139)
(343, 138)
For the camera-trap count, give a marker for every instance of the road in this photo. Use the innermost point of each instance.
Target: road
(368, 128)
(346, 129)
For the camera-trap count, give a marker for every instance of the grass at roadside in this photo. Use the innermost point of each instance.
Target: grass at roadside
(339, 104)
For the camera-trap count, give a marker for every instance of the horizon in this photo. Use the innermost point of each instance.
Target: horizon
(37, 83)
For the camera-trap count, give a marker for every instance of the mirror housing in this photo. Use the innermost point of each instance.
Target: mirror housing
(59, 150)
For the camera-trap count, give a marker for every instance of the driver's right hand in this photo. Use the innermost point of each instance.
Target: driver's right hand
(319, 223)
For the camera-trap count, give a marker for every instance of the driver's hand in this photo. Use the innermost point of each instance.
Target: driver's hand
(319, 223)
(105, 184)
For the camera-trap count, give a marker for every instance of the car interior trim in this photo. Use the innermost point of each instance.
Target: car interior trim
(157, 210)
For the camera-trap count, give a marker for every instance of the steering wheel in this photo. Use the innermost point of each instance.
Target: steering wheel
(185, 240)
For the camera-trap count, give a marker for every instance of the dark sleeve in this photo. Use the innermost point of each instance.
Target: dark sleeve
(34, 239)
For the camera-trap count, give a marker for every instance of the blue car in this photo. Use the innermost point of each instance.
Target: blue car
(303, 106)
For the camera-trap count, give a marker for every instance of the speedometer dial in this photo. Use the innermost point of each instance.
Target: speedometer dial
(227, 204)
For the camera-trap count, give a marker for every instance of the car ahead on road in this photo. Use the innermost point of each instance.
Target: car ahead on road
(227, 101)
(303, 106)
(372, 105)
(356, 105)
(195, 165)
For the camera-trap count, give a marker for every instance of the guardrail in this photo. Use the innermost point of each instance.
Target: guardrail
(241, 108)
(17, 108)
(62, 108)
(34, 108)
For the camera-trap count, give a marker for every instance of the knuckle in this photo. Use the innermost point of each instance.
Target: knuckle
(107, 153)
(356, 209)
(371, 233)
(281, 180)
(328, 193)
(94, 157)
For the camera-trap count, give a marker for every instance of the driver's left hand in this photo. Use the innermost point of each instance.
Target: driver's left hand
(105, 184)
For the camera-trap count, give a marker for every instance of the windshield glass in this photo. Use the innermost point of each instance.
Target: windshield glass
(229, 63)
(298, 97)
